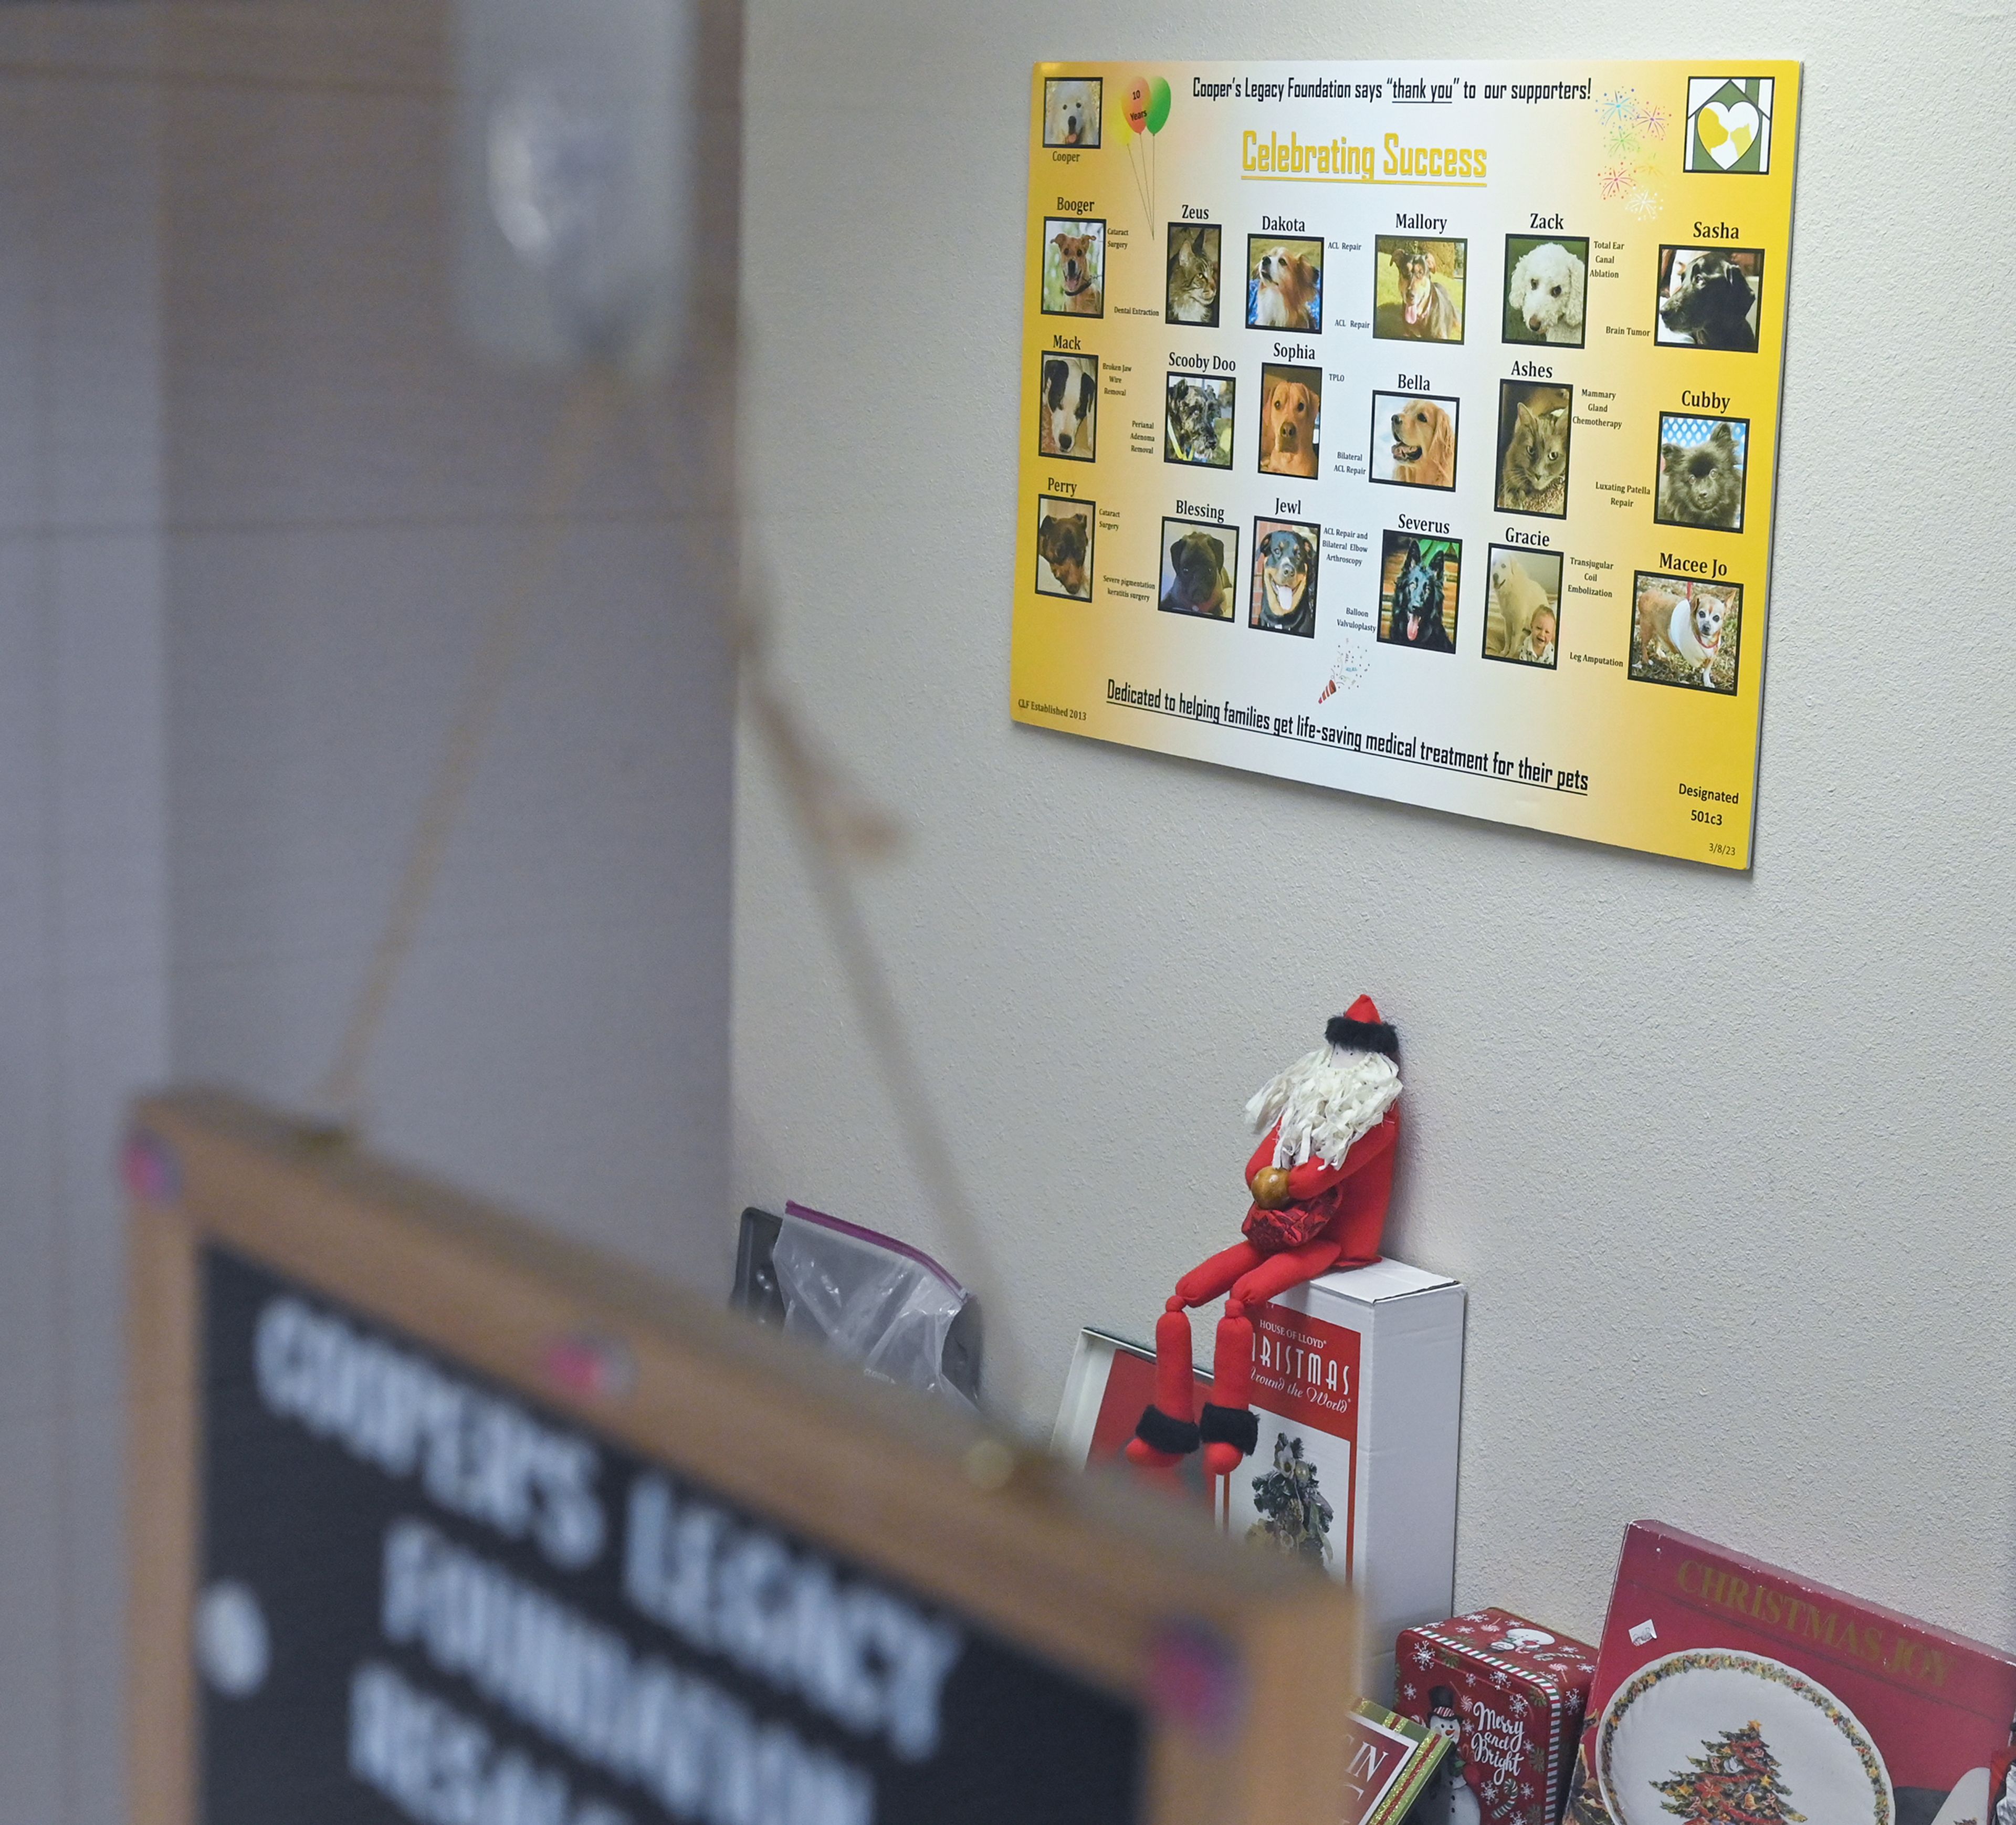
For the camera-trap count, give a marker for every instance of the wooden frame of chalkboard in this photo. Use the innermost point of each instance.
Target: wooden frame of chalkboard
(379, 1430)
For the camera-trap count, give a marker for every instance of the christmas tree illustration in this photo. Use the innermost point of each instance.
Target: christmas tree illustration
(1295, 1515)
(1735, 1782)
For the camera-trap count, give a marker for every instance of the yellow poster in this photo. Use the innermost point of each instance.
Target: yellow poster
(1411, 429)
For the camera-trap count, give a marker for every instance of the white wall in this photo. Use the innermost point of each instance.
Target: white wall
(1723, 1159)
(82, 896)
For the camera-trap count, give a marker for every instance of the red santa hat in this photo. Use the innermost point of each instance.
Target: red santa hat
(1325, 1101)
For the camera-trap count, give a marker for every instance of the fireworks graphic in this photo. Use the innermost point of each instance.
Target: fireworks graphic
(1619, 108)
(1347, 671)
(1645, 205)
(1617, 180)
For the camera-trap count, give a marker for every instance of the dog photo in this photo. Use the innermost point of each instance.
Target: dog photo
(1290, 419)
(1064, 546)
(1071, 110)
(1417, 288)
(1684, 633)
(1709, 297)
(1413, 440)
(1533, 426)
(1074, 267)
(1702, 462)
(1195, 253)
(1067, 407)
(1417, 590)
(1522, 607)
(1284, 284)
(1197, 419)
(1283, 598)
(1199, 559)
(1547, 282)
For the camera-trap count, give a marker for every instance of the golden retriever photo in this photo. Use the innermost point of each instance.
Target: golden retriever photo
(1064, 546)
(1417, 288)
(1284, 284)
(1413, 440)
(1073, 267)
(1071, 110)
(1290, 419)
(1199, 559)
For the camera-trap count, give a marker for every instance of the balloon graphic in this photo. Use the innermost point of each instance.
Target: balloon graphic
(1158, 105)
(1137, 100)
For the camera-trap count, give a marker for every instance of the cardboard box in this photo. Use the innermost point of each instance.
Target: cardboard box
(1726, 1685)
(1513, 1694)
(1358, 1382)
(1111, 1379)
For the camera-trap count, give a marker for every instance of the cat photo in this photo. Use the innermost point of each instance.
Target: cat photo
(1533, 425)
(1194, 260)
(1702, 462)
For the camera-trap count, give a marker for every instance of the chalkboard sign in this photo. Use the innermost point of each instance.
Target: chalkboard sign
(439, 1522)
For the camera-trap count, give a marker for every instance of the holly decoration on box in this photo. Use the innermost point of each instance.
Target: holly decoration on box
(1736, 1783)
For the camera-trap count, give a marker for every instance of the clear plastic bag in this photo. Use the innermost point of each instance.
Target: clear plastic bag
(888, 1306)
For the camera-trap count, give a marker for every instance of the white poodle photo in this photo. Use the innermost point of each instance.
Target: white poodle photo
(1546, 295)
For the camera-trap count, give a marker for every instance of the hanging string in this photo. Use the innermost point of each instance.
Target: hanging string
(585, 415)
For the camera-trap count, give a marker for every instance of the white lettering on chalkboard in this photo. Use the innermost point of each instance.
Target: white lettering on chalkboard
(441, 1768)
(477, 1456)
(694, 1747)
(862, 1654)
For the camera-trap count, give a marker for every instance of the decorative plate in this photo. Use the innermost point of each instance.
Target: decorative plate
(1712, 1735)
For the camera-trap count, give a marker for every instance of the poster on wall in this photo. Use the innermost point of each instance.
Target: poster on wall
(1412, 429)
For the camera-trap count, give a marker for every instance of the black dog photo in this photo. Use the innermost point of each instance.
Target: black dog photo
(1199, 558)
(1418, 591)
(1283, 598)
(1067, 407)
(1709, 297)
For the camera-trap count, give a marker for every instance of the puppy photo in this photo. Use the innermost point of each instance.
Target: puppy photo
(1067, 407)
(1533, 426)
(1290, 419)
(1071, 110)
(1522, 606)
(1709, 297)
(1073, 267)
(1283, 598)
(1417, 288)
(1064, 546)
(1545, 285)
(1284, 284)
(1685, 633)
(1413, 440)
(1418, 591)
(1197, 419)
(1701, 465)
(1199, 561)
(1194, 256)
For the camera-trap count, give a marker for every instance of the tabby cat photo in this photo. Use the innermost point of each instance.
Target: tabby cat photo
(1533, 425)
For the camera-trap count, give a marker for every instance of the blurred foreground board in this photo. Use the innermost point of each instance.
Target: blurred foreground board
(438, 1518)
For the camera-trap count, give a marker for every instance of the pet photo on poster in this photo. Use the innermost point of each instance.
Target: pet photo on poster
(1198, 417)
(1417, 288)
(1199, 562)
(1195, 257)
(1283, 597)
(1547, 290)
(1284, 284)
(1413, 440)
(1417, 590)
(1067, 407)
(1291, 420)
(1686, 633)
(1070, 111)
(1522, 606)
(1709, 297)
(1533, 421)
(1702, 462)
(1064, 532)
(1074, 267)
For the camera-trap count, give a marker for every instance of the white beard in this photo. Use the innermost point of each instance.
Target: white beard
(1324, 1103)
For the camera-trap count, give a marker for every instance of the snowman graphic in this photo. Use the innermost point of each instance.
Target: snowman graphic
(1450, 1802)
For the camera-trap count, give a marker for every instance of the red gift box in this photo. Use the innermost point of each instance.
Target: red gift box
(1512, 1694)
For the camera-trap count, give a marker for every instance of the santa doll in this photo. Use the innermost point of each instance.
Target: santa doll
(1319, 1180)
